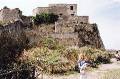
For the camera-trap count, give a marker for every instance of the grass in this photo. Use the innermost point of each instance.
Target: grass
(112, 74)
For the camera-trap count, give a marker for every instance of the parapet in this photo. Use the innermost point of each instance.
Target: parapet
(40, 10)
(83, 19)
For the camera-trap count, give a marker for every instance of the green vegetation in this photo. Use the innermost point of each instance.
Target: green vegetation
(48, 56)
(96, 56)
(45, 18)
(53, 58)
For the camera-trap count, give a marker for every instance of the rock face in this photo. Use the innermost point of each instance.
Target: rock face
(72, 35)
(13, 41)
(89, 36)
(83, 34)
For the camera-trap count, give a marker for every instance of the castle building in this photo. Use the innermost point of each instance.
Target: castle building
(59, 9)
(66, 12)
(70, 29)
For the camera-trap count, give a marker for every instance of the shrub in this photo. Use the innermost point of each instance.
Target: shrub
(55, 61)
(96, 56)
(11, 46)
(45, 18)
(50, 43)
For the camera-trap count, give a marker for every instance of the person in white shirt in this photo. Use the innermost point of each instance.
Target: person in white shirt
(83, 64)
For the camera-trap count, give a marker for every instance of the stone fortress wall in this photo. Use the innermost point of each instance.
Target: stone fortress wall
(66, 12)
(69, 30)
(40, 10)
(10, 15)
(63, 9)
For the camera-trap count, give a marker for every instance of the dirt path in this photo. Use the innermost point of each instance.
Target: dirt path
(96, 74)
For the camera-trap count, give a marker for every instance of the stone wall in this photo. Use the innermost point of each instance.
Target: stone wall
(64, 10)
(78, 35)
(83, 34)
(40, 10)
(64, 27)
(89, 36)
(10, 15)
(79, 19)
(83, 19)
(66, 39)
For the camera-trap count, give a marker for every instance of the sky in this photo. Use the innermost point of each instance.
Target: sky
(106, 13)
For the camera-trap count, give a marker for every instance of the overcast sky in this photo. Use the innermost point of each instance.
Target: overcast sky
(106, 13)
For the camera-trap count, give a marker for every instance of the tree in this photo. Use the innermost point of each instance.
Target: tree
(45, 18)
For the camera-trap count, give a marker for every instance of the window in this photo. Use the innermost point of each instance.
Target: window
(60, 14)
(71, 7)
(81, 23)
(72, 14)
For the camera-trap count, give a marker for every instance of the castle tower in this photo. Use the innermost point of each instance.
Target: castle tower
(59, 9)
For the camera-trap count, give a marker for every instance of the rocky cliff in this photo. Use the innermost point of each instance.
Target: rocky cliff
(89, 36)
(82, 35)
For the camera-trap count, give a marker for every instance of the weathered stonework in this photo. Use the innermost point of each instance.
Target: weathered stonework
(89, 36)
(59, 9)
(67, 39)
(40, 10)
(66, 12)
(70, 29)
(10, 15)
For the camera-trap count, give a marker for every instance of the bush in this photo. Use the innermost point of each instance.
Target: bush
(50, 43)
(51, 57)
(12, 44)
(96, 56)
(45, 18)
(53, 61)
(62, 60)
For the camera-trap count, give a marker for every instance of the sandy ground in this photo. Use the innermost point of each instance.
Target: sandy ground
(96, 74)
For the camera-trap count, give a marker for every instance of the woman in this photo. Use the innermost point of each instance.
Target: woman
(83, 64)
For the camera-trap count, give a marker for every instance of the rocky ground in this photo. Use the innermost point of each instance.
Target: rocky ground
(95, 74)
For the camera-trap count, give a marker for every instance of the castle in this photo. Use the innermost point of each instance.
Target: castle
(66, 28)
(66, 12)
(69, 30)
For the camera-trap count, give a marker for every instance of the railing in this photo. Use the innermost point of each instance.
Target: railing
(18, 74)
